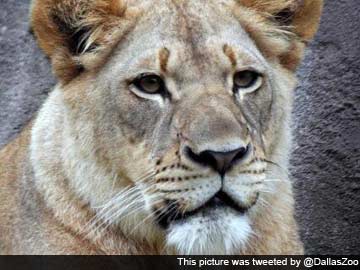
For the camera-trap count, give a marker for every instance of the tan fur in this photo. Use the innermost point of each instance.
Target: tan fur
(97, 135)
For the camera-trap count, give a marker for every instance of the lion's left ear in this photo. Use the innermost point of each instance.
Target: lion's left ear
(300, 17)
(305, 19)
(303, 16)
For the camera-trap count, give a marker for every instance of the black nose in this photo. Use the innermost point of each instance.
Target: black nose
(219, 161)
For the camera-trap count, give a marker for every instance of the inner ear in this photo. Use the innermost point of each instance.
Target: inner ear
(285, 16)
(75, 37)
(78, 41)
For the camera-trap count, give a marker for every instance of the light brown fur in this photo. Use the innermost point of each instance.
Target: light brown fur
(96, 135)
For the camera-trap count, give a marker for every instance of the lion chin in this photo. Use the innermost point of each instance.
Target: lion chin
(217, 231)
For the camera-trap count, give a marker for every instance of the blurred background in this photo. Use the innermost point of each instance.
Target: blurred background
(325, 164)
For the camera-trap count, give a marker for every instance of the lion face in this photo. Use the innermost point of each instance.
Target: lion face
(185, 119)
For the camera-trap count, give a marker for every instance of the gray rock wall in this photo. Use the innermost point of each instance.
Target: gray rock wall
(326, 157)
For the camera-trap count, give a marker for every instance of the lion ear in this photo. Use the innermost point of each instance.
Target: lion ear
(68, 29)
(301, 17)
(304, 19)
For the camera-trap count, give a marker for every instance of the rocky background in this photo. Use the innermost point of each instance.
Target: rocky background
(326, 157)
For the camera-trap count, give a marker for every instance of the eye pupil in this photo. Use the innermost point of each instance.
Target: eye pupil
(245, 79)
(151, 84)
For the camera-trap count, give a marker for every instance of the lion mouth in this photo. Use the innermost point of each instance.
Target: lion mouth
(220, 199)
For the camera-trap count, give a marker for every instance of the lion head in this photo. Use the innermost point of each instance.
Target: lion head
(175, 116)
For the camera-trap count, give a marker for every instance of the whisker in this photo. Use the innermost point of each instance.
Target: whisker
(125, 191)
(121, 193)
(266, 191)
(264, 202)
(120, 200)
(133, 211)
(277, 165)
(142, 222)
(115, 216)
(142, 178)
(163, 211)
(124, 194)
(124, 203)
(274, 180)
(168, 208)
(104, 218)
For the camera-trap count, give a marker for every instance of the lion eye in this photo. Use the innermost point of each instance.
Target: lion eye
(245, 79)
(151, 84)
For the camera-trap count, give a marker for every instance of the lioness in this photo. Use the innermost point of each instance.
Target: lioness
(168, 132)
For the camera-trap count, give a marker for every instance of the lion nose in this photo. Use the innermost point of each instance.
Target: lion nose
(219, 161)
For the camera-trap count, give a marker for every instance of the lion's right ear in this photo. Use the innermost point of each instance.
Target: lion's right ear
(69, 29)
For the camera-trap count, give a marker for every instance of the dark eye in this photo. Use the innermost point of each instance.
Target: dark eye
(245, 79)
(151, 84)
